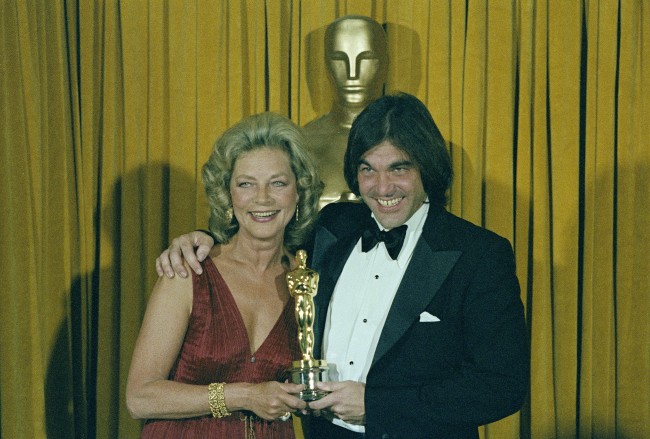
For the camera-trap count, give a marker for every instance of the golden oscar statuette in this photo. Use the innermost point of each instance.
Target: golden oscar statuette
(303, 286)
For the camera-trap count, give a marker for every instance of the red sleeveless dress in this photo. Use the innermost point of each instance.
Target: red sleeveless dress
(216, 349)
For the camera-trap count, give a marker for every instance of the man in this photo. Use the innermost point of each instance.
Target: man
(426, 339)
(356, 56)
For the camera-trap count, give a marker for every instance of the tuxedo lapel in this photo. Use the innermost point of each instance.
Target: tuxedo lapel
(430, 264)
(419, 285)
(424, 276)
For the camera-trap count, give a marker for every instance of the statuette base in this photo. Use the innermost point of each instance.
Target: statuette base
(308, 373)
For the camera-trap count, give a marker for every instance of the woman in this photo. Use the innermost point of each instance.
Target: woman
(212, 354)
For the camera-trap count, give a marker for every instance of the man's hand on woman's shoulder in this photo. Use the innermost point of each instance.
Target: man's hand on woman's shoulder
(192, 247)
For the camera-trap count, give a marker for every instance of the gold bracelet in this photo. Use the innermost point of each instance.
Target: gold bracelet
(217, 400)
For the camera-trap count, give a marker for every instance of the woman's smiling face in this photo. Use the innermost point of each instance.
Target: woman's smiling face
(264, 193)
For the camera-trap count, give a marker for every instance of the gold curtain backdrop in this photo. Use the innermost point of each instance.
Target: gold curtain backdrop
(109, 110)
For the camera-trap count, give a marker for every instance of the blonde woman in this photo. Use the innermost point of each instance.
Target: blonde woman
(213, 351)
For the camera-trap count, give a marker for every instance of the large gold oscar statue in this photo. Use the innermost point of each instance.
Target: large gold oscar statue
(303, 286)
(356, 56)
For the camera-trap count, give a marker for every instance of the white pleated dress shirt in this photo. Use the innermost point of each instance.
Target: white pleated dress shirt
(360, 304)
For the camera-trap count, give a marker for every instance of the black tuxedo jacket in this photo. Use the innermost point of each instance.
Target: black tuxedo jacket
(436, 379)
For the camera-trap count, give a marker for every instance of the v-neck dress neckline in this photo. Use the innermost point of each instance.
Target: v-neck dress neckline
(216, 348)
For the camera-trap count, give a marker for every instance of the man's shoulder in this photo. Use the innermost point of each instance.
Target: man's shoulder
(343, 216)
(343, 219)
(352, 206)
(337, 223)
(463, 231)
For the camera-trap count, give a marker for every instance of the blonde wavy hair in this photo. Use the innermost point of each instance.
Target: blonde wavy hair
(262, 130)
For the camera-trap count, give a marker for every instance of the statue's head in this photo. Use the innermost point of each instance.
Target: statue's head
(356, 55)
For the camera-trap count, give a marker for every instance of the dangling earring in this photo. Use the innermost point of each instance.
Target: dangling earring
(229, 215)
(297, 212)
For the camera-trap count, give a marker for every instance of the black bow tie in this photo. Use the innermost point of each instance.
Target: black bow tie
(393, 239)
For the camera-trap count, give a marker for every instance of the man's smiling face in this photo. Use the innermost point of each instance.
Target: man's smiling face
(390, 184)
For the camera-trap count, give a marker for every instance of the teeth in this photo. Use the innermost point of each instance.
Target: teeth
(389, 203)
(263, 214)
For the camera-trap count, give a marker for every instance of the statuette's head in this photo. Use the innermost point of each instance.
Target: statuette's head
(356, 56)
